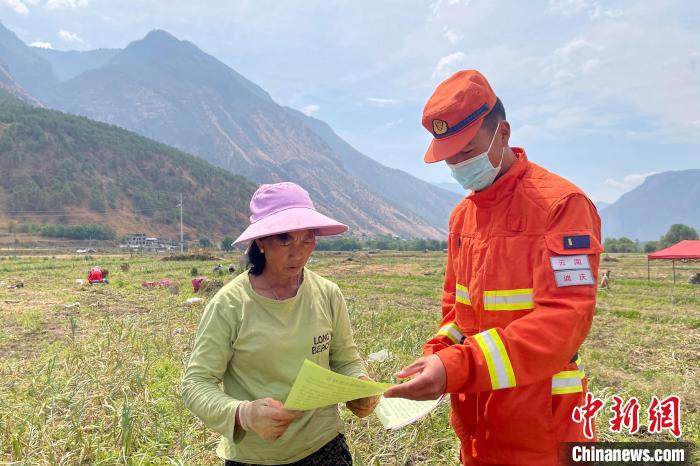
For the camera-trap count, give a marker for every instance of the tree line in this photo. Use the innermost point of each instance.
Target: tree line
(81, 231)
(343, 243)
(382, 243)
(677, 232)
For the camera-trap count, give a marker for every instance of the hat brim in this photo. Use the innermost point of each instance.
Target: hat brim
(441, 149)
(294, 219)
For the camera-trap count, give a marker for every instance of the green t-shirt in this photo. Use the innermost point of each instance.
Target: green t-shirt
(256, 346)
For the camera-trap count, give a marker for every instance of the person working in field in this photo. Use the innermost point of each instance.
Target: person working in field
(257, 331)
(519, 290)
(98, 275)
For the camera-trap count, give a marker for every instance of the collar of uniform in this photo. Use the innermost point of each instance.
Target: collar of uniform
(506, 184)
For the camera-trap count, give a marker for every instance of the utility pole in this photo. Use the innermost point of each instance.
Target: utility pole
(182, 244)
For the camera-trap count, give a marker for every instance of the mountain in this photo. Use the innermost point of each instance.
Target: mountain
(169, 90)
(69, 64)
(59, 167)
(648, 211)
(600, 205)
(398, 187)
(453, 187)
(27, 69)
(10, 86)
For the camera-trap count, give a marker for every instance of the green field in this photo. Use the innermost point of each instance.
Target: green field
(99, 383)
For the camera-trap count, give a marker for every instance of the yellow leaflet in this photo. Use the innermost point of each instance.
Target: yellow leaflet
(316, 387)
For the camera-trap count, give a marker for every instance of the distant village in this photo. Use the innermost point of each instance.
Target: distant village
(141, 242)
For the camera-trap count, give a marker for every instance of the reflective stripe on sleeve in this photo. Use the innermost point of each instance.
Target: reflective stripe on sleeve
(509, 300)
(567, 382)
(497, 361)
(462, 294)
(451, 331)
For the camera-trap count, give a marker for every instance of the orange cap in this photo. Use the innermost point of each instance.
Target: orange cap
(454, 113)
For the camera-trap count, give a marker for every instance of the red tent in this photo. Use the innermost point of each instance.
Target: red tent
(685, 250)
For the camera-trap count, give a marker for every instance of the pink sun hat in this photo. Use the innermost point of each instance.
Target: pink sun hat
(284, 207)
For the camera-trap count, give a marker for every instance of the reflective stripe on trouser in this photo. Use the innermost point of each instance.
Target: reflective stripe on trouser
(567, 382)
(451, 331)
(497, 361)
(509, 300)
(462, 294)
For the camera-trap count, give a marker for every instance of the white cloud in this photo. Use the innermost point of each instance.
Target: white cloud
(576, 7)
(41, 45)
(629, 181)
(439, 5)
(573, 48)
(310, 109)
(66, 4)
(563, 75)
(383, 128)
(569, 7)
(449, 64)
(633, 77)
(601, 70)
(68, 36)
(612, 189)
(610, 73)
(571, 60)
(590, 65)
(391, 124)
(382, 102)
(559, 121)
(450, 35)
(18, 6)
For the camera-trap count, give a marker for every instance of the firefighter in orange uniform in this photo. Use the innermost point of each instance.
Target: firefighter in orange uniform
(519, 291)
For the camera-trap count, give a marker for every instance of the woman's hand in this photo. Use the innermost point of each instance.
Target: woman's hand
(363, 407)
(266, 417)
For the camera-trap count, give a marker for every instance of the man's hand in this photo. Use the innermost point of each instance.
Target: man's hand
(428, 383)
(267, 418)
(363, 407)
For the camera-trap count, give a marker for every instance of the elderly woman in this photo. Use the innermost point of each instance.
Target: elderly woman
(257, 331)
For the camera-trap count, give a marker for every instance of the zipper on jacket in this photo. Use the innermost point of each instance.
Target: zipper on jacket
(483, 286)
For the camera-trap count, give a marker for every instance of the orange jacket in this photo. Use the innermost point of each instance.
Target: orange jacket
(518, 301)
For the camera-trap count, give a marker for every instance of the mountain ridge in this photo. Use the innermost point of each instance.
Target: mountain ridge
(203, 107)
(69, 64)
(29, 70)
(394, 185)
(60, 168)
(649, 210)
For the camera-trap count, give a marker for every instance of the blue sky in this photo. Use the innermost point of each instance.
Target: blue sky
(601, 92)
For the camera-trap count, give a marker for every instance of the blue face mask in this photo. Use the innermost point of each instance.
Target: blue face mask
(477, 173)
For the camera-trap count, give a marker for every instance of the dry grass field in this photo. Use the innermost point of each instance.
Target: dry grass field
(99, 383)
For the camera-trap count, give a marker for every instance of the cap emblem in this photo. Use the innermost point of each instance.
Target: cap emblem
(439, 127)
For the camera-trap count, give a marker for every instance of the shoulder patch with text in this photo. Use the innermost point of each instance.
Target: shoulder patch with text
(572, 270)
(573, 277)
